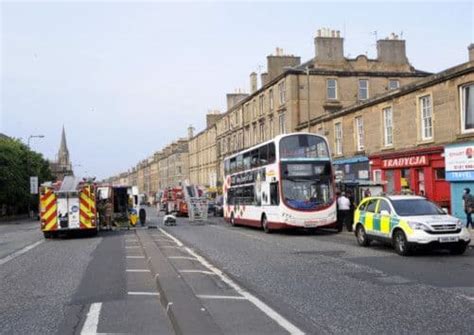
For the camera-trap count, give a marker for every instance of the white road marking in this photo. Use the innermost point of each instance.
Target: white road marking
(470, 298)
(144, 293)
(183, 257)
(223, 297)
(197, 271)
(270, 312)
(20, 252)
(135, 256)
(132, 247)
(178, 242)
(169, 246)
(138, 270)
(92, 319)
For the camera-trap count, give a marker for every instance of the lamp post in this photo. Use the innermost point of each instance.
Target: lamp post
(28, 166)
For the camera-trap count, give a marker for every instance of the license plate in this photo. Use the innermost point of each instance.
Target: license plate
(447, 239)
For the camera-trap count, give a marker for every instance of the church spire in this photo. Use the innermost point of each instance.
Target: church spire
(63, 153)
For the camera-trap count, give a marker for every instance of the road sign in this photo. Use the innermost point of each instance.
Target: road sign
(33, 185)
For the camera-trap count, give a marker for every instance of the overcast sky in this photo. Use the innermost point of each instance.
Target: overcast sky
(125, 79)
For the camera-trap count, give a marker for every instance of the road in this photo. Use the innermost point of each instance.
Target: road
(197, 277)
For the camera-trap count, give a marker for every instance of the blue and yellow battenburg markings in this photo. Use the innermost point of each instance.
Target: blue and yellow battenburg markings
(381, 223)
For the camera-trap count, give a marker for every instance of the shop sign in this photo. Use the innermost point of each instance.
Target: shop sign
(459, 158)
(402, 162)
(459, 175)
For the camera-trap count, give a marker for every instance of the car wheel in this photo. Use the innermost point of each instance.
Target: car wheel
(400, 243)
(458, 249)
(232, 219)
(265, 227)
(361, 236)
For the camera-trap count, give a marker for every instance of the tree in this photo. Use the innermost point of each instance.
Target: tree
(14, 175)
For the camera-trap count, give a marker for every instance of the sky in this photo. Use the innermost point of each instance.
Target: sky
(125, 78)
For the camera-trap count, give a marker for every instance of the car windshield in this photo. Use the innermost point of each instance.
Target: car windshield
(306, 185)
(413, 207)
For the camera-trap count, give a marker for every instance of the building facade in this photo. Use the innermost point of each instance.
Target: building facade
(293, 93)
(402, 135)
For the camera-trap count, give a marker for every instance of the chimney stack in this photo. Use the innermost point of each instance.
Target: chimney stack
(277, 63)
(264, 78)
(253, 82)
(329, 46)
(212, 117)
(190, 132)
(392, 50)
(471, 52)
(234, 98)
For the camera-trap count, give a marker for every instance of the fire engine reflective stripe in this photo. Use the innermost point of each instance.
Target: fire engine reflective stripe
(385, 224)
(86, 209)
(88, 202)
(406, 228)
(52, 210)
(51, 223)
(369, 221)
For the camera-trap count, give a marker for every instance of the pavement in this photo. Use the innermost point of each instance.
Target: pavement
(211, 278)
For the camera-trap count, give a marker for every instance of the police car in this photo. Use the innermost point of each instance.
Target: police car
(408, 221)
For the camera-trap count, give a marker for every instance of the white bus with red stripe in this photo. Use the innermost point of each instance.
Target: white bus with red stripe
(284, 183)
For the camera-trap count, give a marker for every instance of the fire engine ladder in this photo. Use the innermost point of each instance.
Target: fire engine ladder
(197, 206)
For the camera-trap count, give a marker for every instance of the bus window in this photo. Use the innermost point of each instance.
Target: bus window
(274, 196)
(232, 165)
(246, 160)
(226, 167)
(240, 163)
(254, 158)
(263, 155)
(271, 153)
(303, 146)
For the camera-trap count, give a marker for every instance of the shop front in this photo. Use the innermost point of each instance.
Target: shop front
(459, 173)
(353, 175)
(420, 171)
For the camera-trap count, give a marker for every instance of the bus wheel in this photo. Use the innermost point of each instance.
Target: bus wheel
(232, 219)
(265, 227)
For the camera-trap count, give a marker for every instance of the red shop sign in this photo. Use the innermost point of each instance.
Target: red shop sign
(405, 162)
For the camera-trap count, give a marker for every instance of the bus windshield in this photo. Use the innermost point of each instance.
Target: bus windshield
(303, 146)
(307, 186)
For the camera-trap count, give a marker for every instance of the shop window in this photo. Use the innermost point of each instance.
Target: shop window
(377, 176)
(440, 174)
(467, 107)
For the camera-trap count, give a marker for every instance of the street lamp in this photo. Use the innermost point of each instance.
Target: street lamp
(28, 166)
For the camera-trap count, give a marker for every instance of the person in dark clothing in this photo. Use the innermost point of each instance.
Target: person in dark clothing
(350, 214)
(468, 200)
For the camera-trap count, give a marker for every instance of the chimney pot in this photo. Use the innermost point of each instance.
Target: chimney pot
(471, 52)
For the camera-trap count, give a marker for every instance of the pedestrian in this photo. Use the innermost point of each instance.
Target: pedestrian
(344, 206)
(468, 202)
(350, 216)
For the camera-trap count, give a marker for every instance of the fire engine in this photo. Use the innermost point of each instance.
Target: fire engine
(173, 201)
(68, 206)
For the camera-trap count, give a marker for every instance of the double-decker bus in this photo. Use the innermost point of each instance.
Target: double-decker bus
(286, 182)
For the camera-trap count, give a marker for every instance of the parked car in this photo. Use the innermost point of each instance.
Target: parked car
(408, 222)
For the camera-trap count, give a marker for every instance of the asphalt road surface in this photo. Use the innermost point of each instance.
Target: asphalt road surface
(213, 278)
